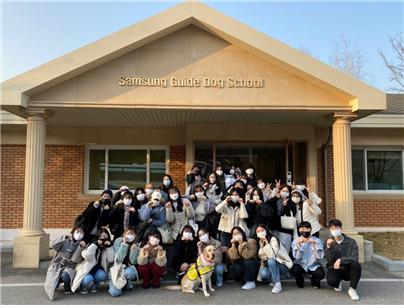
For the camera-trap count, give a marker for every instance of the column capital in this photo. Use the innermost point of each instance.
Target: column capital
(341, 117)
(37, 113)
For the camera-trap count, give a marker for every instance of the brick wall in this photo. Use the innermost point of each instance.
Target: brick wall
(177, 165)
(369, 212)
(64, 167)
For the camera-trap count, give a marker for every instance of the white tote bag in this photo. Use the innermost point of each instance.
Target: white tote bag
(288, 222)
(118, 275)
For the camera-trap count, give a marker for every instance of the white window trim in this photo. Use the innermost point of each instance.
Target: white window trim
(374, 191)
(148, 148)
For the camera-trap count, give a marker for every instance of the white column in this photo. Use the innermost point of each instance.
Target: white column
(32, 244)
(34, 176)
(341, 130)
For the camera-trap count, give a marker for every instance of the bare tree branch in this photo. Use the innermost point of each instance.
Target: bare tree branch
(396, 68)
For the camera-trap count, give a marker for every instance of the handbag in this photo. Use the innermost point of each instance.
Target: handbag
(288, 222)
(165, 231)
(118, 275)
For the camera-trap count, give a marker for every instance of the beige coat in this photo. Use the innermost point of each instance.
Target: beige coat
(145, 258)
(311, 211)
(177, 220)
(88, 254)
(244, 251)
(232, 217)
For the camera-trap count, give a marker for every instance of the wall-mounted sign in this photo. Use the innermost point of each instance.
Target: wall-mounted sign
(191, 82)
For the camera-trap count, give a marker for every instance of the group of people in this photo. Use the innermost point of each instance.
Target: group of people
(261, 233)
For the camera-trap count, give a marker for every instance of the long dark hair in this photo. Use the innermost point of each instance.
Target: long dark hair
(163, 187)
(260, 194)
(154, 233)
(179, 200)
(241, 231)
(135, 202)
(187, 227)
(269, 235)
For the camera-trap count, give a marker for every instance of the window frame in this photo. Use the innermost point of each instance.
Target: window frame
(147, 148)
(365, 160)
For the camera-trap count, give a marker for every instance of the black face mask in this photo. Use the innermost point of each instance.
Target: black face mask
(305, 234)
(106, 201)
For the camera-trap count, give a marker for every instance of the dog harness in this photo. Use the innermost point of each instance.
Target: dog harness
(196, 271)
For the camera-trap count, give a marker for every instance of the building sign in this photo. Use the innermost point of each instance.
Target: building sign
(192, 82)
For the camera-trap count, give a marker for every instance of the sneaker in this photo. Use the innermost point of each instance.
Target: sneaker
(219, 284)
(277, 288)
(249, 285)
(353, 294)
(94, 290)
(68, 292)
(84, 291)
(339, 289)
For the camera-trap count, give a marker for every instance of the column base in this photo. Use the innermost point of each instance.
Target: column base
(28, 251)
(359, 240)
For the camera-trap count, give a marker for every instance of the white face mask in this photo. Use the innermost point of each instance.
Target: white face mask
(237, 237)
(249, 171)
(149, 191)
(78, 236)
(219, 172)
(156, 202)
(261, 185)
(199, 194)
(154, 241)
(174, 196)
(244, 181)
(262, 234)
(336, 232)
(127, 201)
(130, 238)
(166, 182)
(256, 198)
(140, 197)
(300, 187)
(234, 199)
(296, 200)
(232, 171)
(204, 238)
(284, 194)
(187, 235)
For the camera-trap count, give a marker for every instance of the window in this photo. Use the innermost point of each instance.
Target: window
(110, 167)
(377, 170)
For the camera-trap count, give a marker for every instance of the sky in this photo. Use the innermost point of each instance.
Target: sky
(35, 32)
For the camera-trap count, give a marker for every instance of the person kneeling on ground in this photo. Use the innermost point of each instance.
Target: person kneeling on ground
(342, 257)
(307, 251)
(275, 260)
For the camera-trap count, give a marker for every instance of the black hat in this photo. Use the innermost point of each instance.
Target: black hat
(107, 191)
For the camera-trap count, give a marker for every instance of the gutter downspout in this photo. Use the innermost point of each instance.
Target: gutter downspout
(325, 157)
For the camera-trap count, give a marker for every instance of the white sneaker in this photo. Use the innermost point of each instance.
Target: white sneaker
(249, 285)
(277, 288)
(271, 284)
(339, 289)
(352, 293)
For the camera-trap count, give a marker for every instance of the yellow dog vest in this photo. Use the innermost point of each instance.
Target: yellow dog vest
(196, 271)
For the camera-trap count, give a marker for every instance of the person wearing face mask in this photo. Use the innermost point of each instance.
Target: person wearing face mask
(139, 198)
(212, 189)
(152, 215)
(233, 214)
(179, 211)
(126, 254)
(118, 195)
(242, 258)
(231, 176)
(148, 188)
(97, 258)
(265, 188)
(193, 178)
(123, 215)
(282, 205)
(185, 251)
(306, 190)
(275, 260)
(259, 211)
(165, 186)
(251, 176)
(306, 211)
(95, 216)
(151, 261)
(205, 240)
(68, 250)
(220, 179)
(342, 255)
(308, 252)
(202, 206)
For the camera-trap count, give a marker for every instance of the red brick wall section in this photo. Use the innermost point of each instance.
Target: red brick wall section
(64, 167)
(12, 185)
(177, 166)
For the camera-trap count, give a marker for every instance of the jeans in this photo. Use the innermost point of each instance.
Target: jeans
(351, 272)
(130, 274)
(65, 279)
(93, 281)
(219, 271)
(273, 271)
(286, 240)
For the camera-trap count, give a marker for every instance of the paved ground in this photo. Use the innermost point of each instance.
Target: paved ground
(376, 287)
